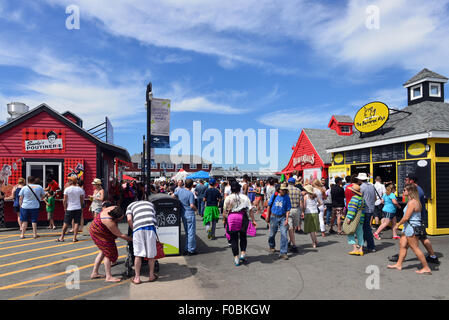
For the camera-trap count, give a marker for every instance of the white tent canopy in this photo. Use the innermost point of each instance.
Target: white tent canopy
(181, 175)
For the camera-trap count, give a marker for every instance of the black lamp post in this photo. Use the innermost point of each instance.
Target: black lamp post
(148, 97)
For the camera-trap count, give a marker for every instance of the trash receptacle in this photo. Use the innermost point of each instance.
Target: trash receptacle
(168, 213)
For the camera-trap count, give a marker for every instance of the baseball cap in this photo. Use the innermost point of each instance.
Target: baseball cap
(212, 181)
(291, 180)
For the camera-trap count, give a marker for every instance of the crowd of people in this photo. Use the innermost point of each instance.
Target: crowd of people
(290, 207)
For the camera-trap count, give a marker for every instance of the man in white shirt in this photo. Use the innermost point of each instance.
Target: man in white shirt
(73, 206)
(380, 188)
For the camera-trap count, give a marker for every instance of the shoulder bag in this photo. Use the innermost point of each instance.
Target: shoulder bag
(160, 249)
(38, 200)
(350, 228)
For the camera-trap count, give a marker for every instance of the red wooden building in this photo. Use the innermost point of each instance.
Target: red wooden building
(46, 144)
(310, 157)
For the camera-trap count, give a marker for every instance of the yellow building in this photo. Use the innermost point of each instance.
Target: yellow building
(413, 140)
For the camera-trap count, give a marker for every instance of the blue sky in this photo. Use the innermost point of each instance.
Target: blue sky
(236, 64)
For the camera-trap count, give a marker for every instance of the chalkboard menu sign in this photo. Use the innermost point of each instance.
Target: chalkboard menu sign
(389, 152)
(357, 156)
(421, 168)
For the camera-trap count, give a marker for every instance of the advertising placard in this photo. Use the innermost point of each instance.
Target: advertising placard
(160, 123)
(371, 117)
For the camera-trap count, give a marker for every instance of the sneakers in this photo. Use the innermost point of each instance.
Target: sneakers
(236, 262)
(209, 235)
(376, 235)
(294, 249)
(272, 250)
(283, 257)
(396, 237)
(432, 260)
(242, 259)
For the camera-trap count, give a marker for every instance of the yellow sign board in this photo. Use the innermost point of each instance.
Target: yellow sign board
(371, 117)
(338, 158)
(416, 149)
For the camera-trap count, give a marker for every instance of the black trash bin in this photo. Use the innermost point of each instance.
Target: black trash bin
(168, 213)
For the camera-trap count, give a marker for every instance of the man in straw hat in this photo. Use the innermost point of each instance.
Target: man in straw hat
(278, 213)
(369, 196)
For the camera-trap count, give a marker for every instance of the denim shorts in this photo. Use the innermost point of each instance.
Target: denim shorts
(26, 214)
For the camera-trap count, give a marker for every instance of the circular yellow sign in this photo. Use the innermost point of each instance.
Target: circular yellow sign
(338, 158)
(371, 117)
(416, 149)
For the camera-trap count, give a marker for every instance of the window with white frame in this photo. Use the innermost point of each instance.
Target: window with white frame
(205, 166)
(416, 92)
(170, 166)
(153, 164)
(178, 166)
(45, 171)
(192, 166)
(435, 90)
(163, 165)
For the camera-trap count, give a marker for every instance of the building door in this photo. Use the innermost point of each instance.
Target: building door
(363, 168)
(387, 172)
(442, 194)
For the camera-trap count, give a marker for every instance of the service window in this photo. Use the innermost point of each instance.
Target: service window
(45, 171)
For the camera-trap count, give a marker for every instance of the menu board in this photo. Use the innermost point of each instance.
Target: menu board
(389, 152)
(421, 168)
(357, 156)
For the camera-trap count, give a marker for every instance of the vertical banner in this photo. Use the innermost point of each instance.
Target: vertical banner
(160, 123)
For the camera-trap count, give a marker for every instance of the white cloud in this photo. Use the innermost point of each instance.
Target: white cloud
(412, 34)
(299, 118)
(203, 105)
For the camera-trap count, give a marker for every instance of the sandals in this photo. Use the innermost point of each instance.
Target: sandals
(155, 278)
(59, 240)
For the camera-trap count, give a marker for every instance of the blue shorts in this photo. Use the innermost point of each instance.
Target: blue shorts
(26, 214)
(388, 215)
(408, 230)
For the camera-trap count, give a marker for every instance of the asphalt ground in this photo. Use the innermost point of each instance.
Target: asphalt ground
(41, 269)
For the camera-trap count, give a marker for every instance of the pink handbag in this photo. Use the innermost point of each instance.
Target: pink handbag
(251, 231)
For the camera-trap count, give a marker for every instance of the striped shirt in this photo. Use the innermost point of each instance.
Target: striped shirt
(357, 203)
(142, 214)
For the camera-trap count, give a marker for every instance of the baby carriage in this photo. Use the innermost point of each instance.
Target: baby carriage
(129, 261)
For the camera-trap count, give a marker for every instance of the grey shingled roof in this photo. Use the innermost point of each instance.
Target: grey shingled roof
(425, 117)
(320, 138)
(425, 73)
(343, 119)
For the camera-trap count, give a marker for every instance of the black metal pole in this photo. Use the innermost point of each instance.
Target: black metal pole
(143, 162)
(149, 93)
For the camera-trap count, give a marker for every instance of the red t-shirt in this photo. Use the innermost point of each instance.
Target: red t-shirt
(53, 186)
(348, 195)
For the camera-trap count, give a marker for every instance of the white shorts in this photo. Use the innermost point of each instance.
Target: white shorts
(144, 243)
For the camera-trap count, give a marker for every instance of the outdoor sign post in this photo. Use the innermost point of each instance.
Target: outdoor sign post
(149, 95)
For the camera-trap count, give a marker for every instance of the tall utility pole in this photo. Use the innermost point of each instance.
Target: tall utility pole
(148, 97)
(143, 162)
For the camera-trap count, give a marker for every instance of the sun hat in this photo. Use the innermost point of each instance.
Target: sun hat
(362, 176)
(355, 188)
(284, 186)
(96, 181)
(308, 188)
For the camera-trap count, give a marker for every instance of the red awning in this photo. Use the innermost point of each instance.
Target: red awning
(125, 177)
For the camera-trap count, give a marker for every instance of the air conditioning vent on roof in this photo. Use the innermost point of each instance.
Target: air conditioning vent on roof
(16, 109)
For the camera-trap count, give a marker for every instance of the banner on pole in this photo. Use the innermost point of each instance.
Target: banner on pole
(160, 123)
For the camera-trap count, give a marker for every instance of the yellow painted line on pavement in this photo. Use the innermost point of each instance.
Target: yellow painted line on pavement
(27, 244)
(50, 263)
(15, 285)
(40, 285)
(46, 256)
(98, 290)
(54, 287)
(38, 249)
(29, 235)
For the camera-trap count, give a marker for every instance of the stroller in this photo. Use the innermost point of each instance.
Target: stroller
(129, 260)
